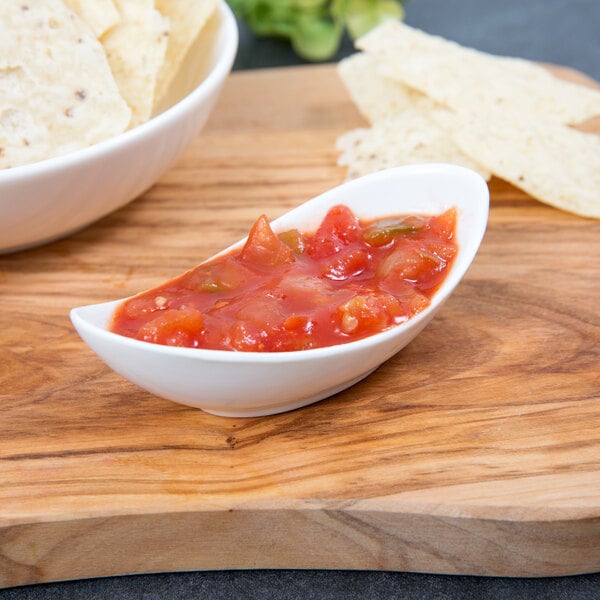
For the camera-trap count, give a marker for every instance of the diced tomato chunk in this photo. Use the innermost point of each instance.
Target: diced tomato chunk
(263, 248)
(444, 225)
(368, 313)
(339, 228)
(346, 264)
(406, 262)
(248, 337)
(296, 322)
(174, 327)
(411, 299)
(445, 251)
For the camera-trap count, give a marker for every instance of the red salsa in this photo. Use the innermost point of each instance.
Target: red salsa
(294, 291)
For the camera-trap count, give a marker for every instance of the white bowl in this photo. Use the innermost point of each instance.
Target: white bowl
(242, 384)
(50, 199)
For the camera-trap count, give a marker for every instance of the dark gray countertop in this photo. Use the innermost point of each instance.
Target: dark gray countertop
(311, 585)
(565, 32)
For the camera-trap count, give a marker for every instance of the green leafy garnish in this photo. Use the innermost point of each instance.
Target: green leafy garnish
(315, 27)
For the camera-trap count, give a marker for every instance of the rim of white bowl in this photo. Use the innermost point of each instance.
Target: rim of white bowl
(214, 78)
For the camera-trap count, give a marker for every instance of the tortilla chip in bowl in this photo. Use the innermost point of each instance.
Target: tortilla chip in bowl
(81, 146)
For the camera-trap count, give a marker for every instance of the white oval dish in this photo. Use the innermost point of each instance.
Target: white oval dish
(53, 198)
(243, 384)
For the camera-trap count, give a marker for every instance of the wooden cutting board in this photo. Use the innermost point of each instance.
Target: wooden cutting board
(475, 450)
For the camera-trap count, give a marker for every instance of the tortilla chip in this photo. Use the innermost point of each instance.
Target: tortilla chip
(100, 15)
(187, 20)
(136, 49)
(462, 78)
(554, 163)
(403, 131)
(376, 96)
(57, 93)
(411, 137)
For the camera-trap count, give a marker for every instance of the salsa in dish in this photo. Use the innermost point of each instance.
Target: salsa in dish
(295, 290)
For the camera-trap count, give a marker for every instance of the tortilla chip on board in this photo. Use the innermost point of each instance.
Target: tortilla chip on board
(460, 77)
(552, 162)
(506, 116)
(402, 131)
(412, 137)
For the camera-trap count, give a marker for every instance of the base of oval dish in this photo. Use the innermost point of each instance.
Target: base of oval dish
(275, 410)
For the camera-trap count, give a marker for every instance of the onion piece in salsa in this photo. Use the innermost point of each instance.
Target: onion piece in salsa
(295, 291)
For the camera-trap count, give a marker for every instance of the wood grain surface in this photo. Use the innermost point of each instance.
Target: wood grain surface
(475, 450)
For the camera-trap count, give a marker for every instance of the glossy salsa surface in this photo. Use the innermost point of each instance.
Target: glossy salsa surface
(295, 291)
